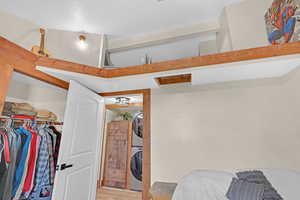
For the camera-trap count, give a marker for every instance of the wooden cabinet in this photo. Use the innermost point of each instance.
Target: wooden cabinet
(117, 153)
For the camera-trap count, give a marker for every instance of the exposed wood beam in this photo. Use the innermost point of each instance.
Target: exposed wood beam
(70, 66)
(147, 144)
(120, 93)
(5, 77)
(162, 37)
(130, 105)
(199, 61)
(23, 61)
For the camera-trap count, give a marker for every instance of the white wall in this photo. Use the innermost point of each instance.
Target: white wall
(245, 124)
(163, 52)
(39, 95)
(223, 40)
(208, 47)
(246, 23)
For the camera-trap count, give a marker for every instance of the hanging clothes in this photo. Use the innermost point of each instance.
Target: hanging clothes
(22, 167)
(28, 156)
(4, 165)
(42, 175)
(8, 177)
(31, 163)
(57, 144)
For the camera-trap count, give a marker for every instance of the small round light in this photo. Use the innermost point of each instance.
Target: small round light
(81, 43)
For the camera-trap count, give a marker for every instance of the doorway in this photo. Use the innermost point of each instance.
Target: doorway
(125, 168)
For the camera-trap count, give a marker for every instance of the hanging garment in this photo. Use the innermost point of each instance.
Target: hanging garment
(6, 146)
(53, 137)
(7, 181)
(21, 168)
(51, 160)
(1, 147)
(27, 162)
(42, 174)
(31, 162)
(37, 153)
(5, 161)
(3, 164)
(57, 144)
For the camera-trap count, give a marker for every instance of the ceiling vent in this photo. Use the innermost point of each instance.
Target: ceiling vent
(182, 78)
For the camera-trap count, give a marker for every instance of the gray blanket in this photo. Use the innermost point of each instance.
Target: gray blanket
(252, 185)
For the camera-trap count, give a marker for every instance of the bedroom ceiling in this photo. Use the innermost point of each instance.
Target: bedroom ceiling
(117, 18)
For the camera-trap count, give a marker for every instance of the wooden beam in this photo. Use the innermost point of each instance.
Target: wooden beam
(5, 77)
(163, 37)
(199, 61)
(117, 106)
(70, 66)
(147, 145)
(208, 60)
(120, 93)
(23, 61)
(184, 78)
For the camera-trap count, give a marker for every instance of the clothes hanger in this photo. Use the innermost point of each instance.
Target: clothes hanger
(8, 124)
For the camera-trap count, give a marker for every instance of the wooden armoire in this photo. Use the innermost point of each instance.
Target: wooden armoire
(117, 154)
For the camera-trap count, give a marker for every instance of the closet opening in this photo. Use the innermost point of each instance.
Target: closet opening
(125, 159)
(30, 138)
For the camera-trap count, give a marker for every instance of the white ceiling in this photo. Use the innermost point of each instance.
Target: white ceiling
(118, 18)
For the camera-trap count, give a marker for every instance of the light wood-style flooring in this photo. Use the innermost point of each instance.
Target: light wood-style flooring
(104, 193)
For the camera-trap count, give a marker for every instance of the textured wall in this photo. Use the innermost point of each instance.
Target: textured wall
(245, 124)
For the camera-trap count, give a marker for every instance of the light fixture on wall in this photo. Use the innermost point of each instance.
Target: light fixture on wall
(122, 100)
(81, 43)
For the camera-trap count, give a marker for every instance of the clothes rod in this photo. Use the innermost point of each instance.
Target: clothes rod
(39, 121)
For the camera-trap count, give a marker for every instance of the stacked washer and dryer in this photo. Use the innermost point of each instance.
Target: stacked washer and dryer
(136, 162)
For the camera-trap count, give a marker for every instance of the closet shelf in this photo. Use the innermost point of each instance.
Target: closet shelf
(39, 121)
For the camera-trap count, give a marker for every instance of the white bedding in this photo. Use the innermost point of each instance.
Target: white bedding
(213, 185)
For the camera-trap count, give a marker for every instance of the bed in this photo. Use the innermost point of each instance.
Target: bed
(213, 185)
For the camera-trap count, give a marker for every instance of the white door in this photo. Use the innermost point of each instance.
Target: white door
(79, 157)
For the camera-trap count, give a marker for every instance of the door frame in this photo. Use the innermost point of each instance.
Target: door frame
(146, 135)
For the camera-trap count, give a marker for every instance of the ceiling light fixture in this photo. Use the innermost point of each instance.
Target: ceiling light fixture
(122, 100)
(82, 44)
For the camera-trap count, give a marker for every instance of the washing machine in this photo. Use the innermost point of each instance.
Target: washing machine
(136, 169)
(137, 127)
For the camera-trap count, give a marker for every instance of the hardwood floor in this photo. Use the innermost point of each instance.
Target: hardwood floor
(116, 194)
